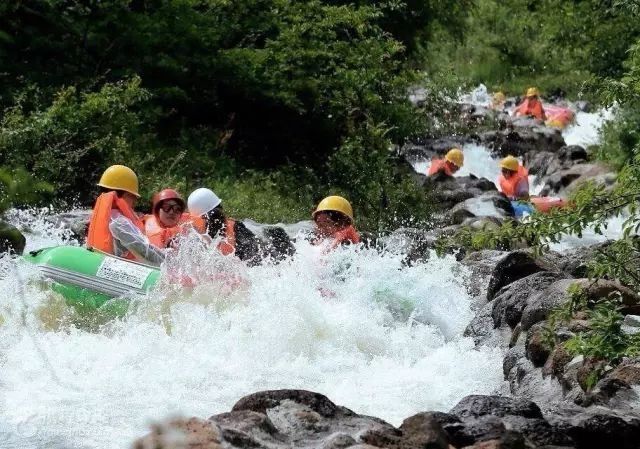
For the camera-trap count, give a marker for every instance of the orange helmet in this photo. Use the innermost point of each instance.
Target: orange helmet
(166, 194)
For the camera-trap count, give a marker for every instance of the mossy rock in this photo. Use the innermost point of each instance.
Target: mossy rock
(11, 239)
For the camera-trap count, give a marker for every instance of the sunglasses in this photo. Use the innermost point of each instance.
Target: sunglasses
(172, 207)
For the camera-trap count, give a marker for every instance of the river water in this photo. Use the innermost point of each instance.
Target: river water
(358, 326)
(378, 337)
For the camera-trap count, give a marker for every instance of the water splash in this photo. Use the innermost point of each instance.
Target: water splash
(586, 129)
(359, 326)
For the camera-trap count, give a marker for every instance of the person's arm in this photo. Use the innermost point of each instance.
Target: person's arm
(129, 236)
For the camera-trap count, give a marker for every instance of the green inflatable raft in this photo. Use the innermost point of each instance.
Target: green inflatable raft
(90, 280)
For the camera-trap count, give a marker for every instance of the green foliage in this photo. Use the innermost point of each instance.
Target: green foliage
(620, 137)
(71, 141)
(603, 340)
(558, 46)
(19, 188)
(381, 196)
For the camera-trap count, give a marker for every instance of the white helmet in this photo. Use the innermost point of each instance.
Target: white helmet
(202, 201)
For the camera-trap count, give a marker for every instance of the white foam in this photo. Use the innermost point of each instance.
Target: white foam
(376, 336)
(586, 129)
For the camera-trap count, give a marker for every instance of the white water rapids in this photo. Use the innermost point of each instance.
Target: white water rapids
(373, 335)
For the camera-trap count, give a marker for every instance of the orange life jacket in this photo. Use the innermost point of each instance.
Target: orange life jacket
(228, 244)
(99, 235)
(346, 235)
(439, 165)
(531, 108)
(510, 186)
(159, 235)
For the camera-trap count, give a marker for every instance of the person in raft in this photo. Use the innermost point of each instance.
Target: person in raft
(334, 223)
(209, 218)
(513, 179)
(167, 216)
(114, 227)
(452, 162)
(531, 106)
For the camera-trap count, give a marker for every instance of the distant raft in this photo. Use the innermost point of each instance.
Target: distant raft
(91, 280)
(542, 204)
(558, 116)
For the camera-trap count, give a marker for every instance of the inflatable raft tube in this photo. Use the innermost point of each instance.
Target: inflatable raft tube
(558, 117)
(90, 280)
(546, 203)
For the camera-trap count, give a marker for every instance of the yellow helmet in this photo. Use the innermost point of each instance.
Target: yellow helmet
(499, 97)
(119, 177)
(510, 163)
(337, 204)
(455, 156)
(532, 92)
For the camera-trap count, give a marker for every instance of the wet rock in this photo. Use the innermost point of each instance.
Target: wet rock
(513, 266)
(557, 360)
(631, 324)
(511, 300)
(524, 137)
(481, 326)
(574, 261)
(477, 430)
(338, 440)
(423, 431)
(482, 263)
(538, 431)
(511, 358)
(541, 304)
(565, 181)
(624, 376)
(11, 239)
(191, 433)
(263, 400)
(427, 149)
(546, 163)
(474, 406)
(543, 163)
(597, 431)
(448, 191)
(537, 348)
(487, 204)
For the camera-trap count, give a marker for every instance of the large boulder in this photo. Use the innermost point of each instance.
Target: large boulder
(511, 414)
(11, 239)
(598, 428)
(489, 204)
(513, 266)
(474, 406)
(447, 191)
(511, 300)
(521, 140)
(566, 181)
(541, 304)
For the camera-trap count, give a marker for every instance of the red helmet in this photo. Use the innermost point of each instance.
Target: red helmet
(166, 194)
